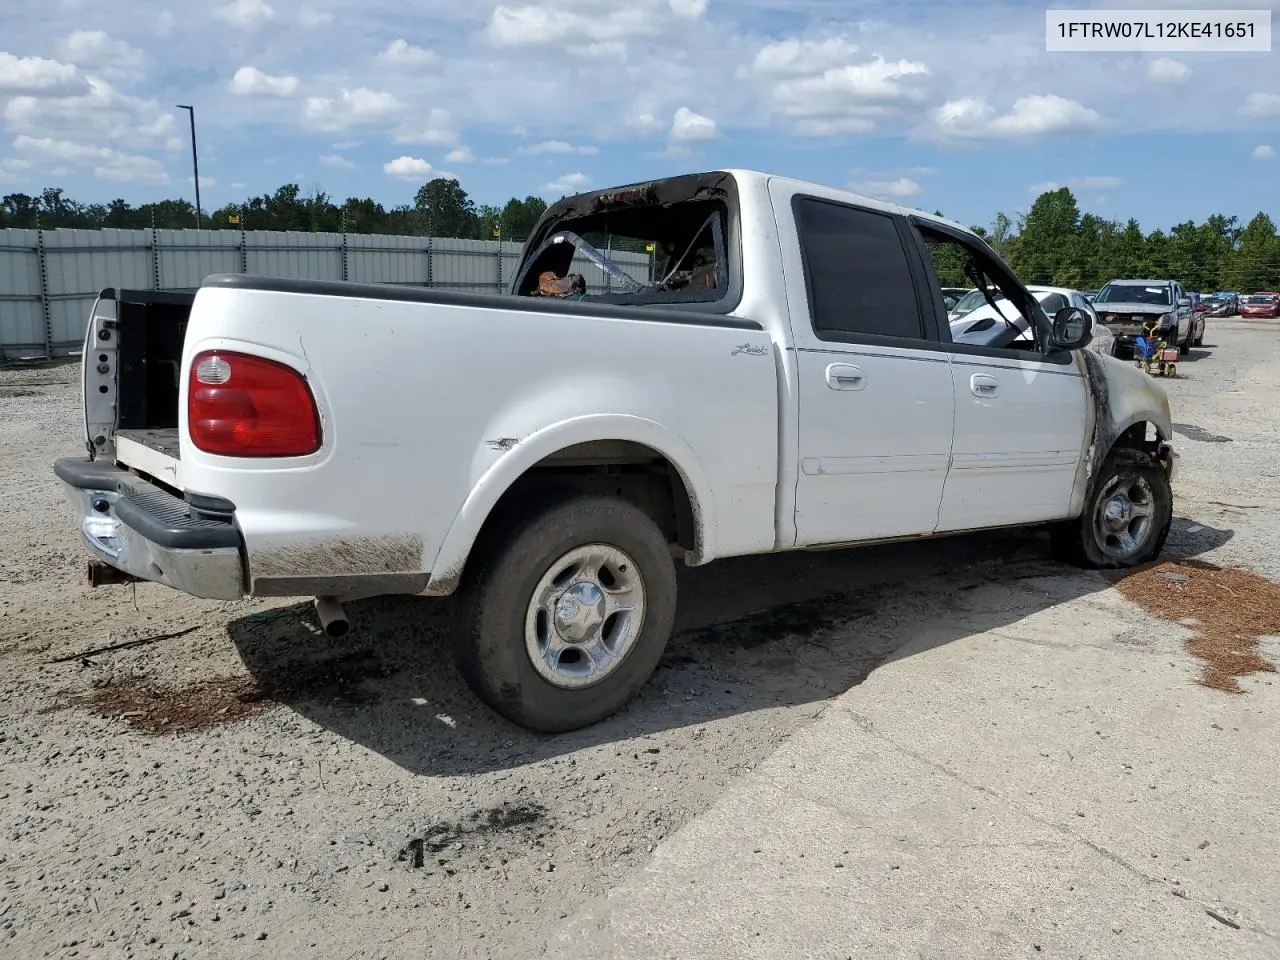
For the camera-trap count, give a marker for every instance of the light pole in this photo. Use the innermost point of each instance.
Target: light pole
(195, 163)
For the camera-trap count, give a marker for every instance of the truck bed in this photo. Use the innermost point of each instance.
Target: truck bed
(153, 452)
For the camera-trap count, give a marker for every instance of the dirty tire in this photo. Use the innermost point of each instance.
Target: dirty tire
(1078, 541)
(495, 597)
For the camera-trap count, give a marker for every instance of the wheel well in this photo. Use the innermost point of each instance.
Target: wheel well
(621, 468)
(1143, 435)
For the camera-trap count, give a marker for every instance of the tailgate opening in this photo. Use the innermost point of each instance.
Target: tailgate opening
(133, 371)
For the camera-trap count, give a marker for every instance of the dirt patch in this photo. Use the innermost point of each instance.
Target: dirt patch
(152, 708)
(1228, 608)
(17, 392)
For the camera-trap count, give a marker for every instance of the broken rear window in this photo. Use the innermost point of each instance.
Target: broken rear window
(674, 253)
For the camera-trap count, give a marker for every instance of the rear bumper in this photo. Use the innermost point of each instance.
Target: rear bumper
(143, 530)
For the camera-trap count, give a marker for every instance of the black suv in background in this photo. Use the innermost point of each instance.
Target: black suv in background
(1125, 305)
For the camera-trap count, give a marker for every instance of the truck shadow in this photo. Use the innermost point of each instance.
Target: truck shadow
(752, 634)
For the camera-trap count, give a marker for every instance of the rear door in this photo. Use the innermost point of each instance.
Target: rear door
(875, 397)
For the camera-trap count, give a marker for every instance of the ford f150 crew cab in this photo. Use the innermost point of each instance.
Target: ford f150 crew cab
(779, 374)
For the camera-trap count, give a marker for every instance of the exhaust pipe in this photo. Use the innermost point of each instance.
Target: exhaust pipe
(332, 617)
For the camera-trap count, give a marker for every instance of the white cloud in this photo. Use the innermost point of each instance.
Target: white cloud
(336, 162)
(461, 154)
(415, 169)
(901, 187)
(106, 163)
(1168, 71)
(402, 52)
(312, 18)
(435, 127)
(801, 58)
(688, 127)
(37, 76)
(1264, 152)
(897, 183)
(100, 115)
(96, 49)
(1261, 105)
(557, 148)
(570, 183)
(253, 82)
(688, 9)
(579, 24)
(174, 144)
(644, 123)
(13, 169)
(614, 50)
(350, 109)
(821, 88)
(205, 182)
(245, 13)
(972, 118)
(1077, 184)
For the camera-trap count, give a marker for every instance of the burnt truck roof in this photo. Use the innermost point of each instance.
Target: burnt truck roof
(707, 185)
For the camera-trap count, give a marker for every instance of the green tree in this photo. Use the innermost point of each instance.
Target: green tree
(1045, 244)
(1256, 264)
(445, 210)
(519, 217)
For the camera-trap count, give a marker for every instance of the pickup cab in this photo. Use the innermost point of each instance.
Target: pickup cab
(778, 375)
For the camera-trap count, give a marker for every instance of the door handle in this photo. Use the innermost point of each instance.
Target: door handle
(982, 385)
(845, 376)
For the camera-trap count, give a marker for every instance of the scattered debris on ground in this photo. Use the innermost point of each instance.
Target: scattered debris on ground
(1229, 608)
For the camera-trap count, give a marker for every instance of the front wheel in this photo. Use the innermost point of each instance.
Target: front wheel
(565, 617)
(1126, 516)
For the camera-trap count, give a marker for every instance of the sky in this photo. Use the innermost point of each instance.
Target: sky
(950, 106)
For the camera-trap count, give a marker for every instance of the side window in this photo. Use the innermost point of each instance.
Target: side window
(857, 273)
(999, 323)
(1053, 303)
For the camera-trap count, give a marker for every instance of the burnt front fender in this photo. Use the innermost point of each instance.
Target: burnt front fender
(1125, 406)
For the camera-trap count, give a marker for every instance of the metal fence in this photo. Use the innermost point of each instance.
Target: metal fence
(50, 278)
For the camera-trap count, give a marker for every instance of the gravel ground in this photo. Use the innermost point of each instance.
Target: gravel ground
(235, 776)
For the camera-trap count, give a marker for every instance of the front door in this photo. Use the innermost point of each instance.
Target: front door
(875, 394)
(1020, 414)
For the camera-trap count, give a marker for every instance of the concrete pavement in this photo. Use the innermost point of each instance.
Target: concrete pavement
(1022, 781)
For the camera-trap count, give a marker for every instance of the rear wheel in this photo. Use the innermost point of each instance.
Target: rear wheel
(1126, 516)
(565, 617)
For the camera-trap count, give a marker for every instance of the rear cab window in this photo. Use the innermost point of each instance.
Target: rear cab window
(858, 276)
(664, 243)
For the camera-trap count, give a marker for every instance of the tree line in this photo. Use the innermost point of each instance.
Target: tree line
(1053, 243)
(440, 208)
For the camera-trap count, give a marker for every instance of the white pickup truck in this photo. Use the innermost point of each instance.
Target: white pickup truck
(780, 375)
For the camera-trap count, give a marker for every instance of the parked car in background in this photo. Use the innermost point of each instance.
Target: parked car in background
(971, 301)
(999, 324)
(1089, 294)
(952, 295)
(1214, 305)
(1231, 300)
(1261, 306)
(1126, 305)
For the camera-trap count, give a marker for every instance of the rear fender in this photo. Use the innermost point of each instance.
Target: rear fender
(523, 455)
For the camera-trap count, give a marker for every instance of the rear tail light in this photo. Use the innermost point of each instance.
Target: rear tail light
(244, 406)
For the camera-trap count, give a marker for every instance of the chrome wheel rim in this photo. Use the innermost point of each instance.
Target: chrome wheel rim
(584, 616)
(1124, 517)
